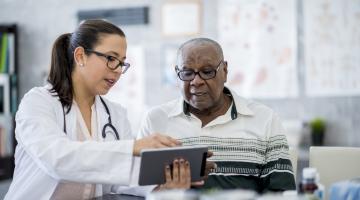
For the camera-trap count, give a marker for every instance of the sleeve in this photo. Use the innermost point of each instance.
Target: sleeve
(134, 188)
(38, 132)
(277, 173)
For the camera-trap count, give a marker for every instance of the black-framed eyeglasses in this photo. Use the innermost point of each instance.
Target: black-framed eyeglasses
(205, 74)
(112, 62)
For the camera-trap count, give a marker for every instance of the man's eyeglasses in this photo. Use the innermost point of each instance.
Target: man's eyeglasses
(112, 62)
(189, 74)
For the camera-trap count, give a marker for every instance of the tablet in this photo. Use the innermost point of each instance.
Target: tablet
(153, 162)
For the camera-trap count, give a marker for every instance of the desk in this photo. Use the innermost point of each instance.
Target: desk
(118, 197)
(191, 195)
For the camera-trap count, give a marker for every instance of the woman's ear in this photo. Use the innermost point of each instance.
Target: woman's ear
(80, 56)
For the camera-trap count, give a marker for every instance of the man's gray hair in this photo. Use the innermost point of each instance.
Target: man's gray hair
(201, 41)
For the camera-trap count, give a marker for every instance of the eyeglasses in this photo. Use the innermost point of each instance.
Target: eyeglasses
(112, 62)
(189, 74)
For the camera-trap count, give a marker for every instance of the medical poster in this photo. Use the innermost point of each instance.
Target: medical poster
(259, 39)
(129, 90)
(332, 47)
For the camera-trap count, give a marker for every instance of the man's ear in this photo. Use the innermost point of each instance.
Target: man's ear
(225, 71)
(79, 56)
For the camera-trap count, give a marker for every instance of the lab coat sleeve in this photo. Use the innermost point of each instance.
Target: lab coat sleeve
(61, 158)
(134, 188)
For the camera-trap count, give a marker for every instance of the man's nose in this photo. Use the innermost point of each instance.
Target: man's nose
(197, 80)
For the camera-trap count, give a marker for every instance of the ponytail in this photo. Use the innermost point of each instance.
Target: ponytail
(60, 71)
(87, 35)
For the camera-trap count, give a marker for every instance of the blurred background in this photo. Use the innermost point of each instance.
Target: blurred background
(300, 57)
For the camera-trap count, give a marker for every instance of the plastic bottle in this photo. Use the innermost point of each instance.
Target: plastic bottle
(308, 183)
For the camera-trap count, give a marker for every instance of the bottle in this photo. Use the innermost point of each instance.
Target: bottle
(308, 183)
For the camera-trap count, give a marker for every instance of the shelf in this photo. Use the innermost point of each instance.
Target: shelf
(9, 91)
(6, 167)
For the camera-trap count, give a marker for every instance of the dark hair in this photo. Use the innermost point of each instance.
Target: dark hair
(86, 35)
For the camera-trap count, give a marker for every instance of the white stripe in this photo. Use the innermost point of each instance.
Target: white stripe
(230, 174)
(252, 161)
(277, 170)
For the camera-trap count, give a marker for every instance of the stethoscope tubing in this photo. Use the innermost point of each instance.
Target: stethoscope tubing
(109, 124)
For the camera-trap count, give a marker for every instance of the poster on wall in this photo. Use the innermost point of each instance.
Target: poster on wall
(129, 90)
(181, 18)
(332, 47)
(259, 40)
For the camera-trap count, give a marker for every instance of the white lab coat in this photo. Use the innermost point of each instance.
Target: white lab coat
(45, 155)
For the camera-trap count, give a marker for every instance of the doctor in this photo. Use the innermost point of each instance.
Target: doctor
(73, 143)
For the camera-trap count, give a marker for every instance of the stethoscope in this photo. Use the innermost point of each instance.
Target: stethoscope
(109, 124)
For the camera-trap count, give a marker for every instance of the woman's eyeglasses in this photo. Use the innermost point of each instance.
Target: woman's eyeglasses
(112, 62)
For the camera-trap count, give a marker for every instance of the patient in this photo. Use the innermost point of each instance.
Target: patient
(246, 138)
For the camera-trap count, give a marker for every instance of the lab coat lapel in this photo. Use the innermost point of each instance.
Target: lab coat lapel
(70, 119)
(102, 116)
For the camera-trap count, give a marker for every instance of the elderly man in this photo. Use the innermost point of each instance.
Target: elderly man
(247, 139)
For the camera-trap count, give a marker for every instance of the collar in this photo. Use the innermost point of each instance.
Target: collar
(238, 107)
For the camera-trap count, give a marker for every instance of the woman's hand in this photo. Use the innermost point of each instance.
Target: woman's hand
(154, 141)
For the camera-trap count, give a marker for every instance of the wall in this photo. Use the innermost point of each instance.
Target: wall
(41, 21)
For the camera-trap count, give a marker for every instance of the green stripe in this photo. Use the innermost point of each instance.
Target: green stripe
(280, 164)
(247, 168)
(276, 181)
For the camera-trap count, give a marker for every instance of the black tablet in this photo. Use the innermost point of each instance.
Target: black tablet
(153, 162)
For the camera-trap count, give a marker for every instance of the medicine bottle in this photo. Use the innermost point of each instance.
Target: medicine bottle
(308, 183)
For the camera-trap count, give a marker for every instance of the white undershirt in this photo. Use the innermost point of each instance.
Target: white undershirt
(74, 190)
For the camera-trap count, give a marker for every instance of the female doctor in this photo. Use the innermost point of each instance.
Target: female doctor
(73, 143)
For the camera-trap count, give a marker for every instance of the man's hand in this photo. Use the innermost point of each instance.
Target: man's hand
(154, 141)
(208, 168)
(178, 178)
